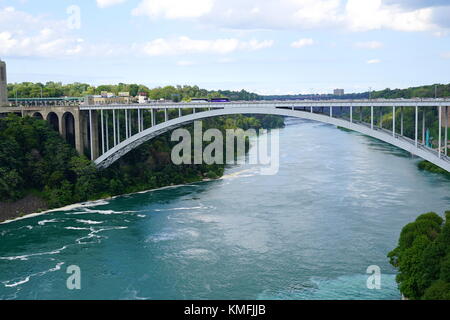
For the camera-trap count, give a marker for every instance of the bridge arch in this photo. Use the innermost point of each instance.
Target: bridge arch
(38, 115)
(135, 141)
(68, 127)
(53, 119)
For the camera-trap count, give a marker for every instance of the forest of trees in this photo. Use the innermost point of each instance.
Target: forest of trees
(178, 93)
(423, 258)
(35, 159)
(429, 91)
(57, 89)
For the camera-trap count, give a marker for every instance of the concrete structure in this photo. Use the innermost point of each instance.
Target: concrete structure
(107, 98)
(46, 102)
(70, 122)
(325, 111)
(3, 84)
(339, 92)
(108, 132)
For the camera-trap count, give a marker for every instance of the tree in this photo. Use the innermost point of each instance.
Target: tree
(423, 258)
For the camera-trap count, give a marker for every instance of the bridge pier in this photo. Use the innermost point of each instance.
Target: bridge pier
(93, 134)
(78, 128)
(394, 114)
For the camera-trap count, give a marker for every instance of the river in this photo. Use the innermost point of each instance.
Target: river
(335, 208)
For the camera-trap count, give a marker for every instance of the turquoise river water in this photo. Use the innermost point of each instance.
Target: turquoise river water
(335, 208)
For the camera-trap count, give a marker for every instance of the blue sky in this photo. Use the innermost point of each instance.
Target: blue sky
(269, 47)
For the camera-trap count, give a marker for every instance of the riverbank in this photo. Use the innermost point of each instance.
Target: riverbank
(25, 206)
(59, 176)
(428, 166)
(32, 209)
(38, 211)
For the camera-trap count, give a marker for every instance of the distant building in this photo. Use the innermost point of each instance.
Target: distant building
(106, 94)
(3, 84)
(339, 92)
(107, 99)
(142, 98)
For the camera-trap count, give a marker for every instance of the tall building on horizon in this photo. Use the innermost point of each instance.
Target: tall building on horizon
(3, 84)
(339, 92)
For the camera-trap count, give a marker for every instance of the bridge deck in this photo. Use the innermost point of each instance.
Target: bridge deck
(285, 103)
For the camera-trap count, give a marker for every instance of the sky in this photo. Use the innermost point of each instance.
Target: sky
(263, 46)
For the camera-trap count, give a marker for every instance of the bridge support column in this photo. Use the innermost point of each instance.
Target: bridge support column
(423, 127)
(416, 126)
(401, 121)
(93, 134)
(126, 124)
(393, 121)
(440, 132)
(446, 131)
(139, 120)
(119, 140)
(351, 114)
(130, 124)
(107, 130)
(371, 117)
(62, 126)
(102, 124)
(114, 128)
(166, 115)
(79, 140)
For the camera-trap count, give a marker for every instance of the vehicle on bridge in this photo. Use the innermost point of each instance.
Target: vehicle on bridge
(213, 100)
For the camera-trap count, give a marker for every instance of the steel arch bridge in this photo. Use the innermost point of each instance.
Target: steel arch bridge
(342, 113)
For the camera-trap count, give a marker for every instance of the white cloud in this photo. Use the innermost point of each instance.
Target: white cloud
(173, 9)
(369, 45)
(374, 61)
(23, 35)
(353, 15)
(373, 15)
(302, 43)
(185, 45)
(108, 3)
(27, 35)
(445, 55)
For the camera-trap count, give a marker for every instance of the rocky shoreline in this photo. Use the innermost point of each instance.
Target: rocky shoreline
(28, 205)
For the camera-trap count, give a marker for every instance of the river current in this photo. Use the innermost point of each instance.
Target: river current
(336, 207)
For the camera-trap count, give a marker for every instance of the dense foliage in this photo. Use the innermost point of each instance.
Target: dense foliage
(178, 93)
(428, 166)
(423, 258)
(431, 91)
(35, 159)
